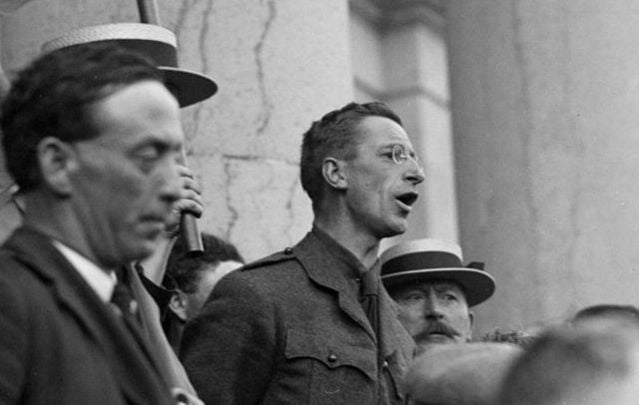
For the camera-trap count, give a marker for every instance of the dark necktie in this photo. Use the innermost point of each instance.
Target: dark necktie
(122, 299)
(124, 304)
(368, 298)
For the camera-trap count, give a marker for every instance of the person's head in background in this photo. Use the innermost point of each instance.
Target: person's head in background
(592, 364)
(195, 276)
(433, 290)
(604, 313)
(464, 374)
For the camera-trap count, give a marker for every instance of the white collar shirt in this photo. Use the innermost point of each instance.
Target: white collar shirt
(101, 282)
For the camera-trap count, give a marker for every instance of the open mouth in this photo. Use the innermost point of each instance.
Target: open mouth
(408, 199)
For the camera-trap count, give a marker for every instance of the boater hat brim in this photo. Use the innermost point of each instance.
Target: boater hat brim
(426, 260)
(478, 285)
(154, 42)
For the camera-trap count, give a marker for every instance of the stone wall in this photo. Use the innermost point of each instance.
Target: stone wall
(279, 66)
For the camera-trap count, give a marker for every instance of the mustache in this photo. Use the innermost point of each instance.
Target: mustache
(438, 327)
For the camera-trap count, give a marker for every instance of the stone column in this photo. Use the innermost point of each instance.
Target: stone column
(417, 85)
(279, 66)
(545, 101)
(399, 57)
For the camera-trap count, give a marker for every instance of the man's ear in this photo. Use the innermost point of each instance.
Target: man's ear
(333, 172)
(57, 159)
(177, 304)
(471, 322)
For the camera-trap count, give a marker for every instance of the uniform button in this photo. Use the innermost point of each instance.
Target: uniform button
(385, 365)
(332, 358)
(288, 251)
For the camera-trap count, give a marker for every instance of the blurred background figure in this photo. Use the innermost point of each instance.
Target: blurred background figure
(466, 374)
(191, 279)
(433, 289)
(70, 330)
(605, 313)
(9, 6)
(595, 363)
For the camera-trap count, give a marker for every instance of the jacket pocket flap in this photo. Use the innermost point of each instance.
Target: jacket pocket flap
(331, 352)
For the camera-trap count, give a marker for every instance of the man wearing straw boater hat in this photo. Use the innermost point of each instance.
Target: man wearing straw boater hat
(434, 290)
(91, 135)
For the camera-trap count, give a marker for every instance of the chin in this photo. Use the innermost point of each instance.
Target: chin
(396, 229)
(140, 250)
(424, 346)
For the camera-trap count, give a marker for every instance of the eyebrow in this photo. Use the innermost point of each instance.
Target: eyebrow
(157, 140)
(448, 288)
(389, 146)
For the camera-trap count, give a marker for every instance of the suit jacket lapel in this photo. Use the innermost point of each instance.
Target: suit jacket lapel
(321, 269)
(170, 366)
(132, 368)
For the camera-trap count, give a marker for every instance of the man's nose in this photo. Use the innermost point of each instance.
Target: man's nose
(415, 174)
(432, 310)
(171, 182)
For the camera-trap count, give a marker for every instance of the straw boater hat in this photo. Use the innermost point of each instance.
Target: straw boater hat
(434, 259)
(156, 43)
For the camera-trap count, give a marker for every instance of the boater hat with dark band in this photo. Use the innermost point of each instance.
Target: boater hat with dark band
(156, 43)
(424, 260)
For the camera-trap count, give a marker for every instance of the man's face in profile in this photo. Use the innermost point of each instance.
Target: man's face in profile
(380, 188)
(125, 181)
(434, 312)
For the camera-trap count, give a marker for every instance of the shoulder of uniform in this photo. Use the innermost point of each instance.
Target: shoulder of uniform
(282, 256)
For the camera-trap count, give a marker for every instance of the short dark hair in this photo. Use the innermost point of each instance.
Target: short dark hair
(334, 134)
(53, 96)
(184, 270)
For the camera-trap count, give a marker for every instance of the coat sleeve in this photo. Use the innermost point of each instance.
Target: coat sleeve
(13, 343)
(229, 349)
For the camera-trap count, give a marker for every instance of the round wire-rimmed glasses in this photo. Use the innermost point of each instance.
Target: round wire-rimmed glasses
(401, 155)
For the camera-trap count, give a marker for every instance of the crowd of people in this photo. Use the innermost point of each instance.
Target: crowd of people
(103, 304)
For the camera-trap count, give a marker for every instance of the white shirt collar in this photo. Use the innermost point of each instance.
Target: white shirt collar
(100, 281)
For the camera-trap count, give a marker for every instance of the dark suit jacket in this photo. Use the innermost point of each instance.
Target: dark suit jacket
(59, 343)
(289, 330)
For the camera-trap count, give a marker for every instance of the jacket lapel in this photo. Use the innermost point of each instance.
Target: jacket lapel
(321, 269)
(170, 366)
(132, 368)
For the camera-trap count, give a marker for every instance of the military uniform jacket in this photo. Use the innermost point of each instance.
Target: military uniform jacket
(289, 330)
(59, 343)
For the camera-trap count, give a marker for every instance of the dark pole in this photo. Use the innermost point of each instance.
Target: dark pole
(149, 13)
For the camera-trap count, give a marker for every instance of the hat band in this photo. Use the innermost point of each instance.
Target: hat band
(421, 261)
(161, 53)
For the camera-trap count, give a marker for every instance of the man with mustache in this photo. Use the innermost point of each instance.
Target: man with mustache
(433, 290)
